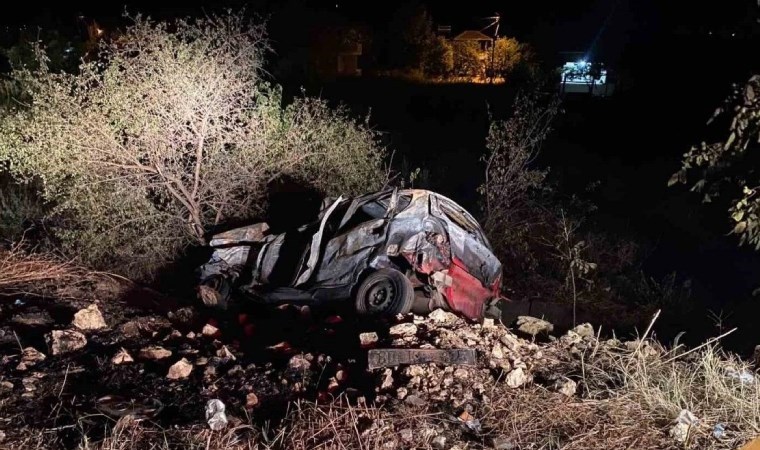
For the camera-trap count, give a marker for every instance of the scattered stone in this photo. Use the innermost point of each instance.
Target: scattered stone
(444, 318)
(407, 435)
(585, 330)
(251, 400)
(29, 358)
(215, 416)
(566, 387)
(403, 330)
(122, 357)
(225, 353)
(439, 442)
(299, 362)
(65, 341)
(190, 335)
(401, 393)
(368, 339)
(202, 361)
(145, 325)
(516, 378)
(89, 318)
(155, 352)
(684, 422)
(2, 436)
(179, 370)
(184, 316)
(387, 379)
(533, 326)
(6, 386)
(209, 330)
(488, 323)
(33, 319)
(415, 400)
(503, 443)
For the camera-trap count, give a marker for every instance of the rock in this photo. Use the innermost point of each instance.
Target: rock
(516, 378)
(443, 318)
(122, 357)
(566, 387)
(209, 330)
(65, 341)
(154, 353)
(341, 375)
(299, 362)
(251, 400)
(387, 380)
(145, 325)
(585, 330)
(571, 338)
(215, 415)
(202, 361)
(679, 432)
(503, 443)
(29, 358)
(684, 422)
(488, 323)
(179, 370)
(190, 335)
(403, 330)
(2, 436)
(401, 393)
(33, 319)
(368, 339)
(406, 435)
(439, 442)
(415, 400)
(497, 352)
(533, 326)
(6, 386)
(89, 318)
(225, 353)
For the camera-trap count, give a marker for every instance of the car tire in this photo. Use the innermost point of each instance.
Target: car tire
(385, 292)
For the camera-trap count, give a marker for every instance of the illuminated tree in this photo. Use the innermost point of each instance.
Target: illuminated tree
(169, 132)
(468, 59)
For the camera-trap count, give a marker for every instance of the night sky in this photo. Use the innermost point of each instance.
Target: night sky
(605, 25)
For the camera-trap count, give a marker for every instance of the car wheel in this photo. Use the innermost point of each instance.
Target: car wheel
(385, 292)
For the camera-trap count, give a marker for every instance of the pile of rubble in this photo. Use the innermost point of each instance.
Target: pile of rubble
(503, 357)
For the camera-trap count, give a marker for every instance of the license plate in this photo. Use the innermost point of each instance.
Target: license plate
(388, 357)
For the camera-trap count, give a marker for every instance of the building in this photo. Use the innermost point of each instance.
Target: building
(482, 40)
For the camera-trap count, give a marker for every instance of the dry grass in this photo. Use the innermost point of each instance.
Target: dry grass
(25, 272)
(663, 383)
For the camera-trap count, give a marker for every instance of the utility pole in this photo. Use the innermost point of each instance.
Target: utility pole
(496, 21)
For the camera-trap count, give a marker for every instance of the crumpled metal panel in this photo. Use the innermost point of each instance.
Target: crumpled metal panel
(465, 293)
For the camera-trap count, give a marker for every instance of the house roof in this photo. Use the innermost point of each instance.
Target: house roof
(472, 35)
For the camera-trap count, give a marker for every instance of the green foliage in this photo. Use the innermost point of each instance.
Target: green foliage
(439, 59)
(469, 59)
(730, 164)
(510, 56)
(169, 132)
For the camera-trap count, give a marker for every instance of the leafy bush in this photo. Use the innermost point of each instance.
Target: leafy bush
(729, 164)
(168, 132)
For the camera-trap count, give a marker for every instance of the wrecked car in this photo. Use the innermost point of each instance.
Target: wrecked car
(389, 252)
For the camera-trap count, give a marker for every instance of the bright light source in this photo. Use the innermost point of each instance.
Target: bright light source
(582, 62)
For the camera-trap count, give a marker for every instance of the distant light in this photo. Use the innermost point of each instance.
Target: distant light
(733, 34)
(582, 62)
(710, 33)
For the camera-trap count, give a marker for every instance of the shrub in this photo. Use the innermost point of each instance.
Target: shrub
(168, 132)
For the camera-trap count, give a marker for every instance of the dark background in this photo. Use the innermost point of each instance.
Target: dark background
(674, 62)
